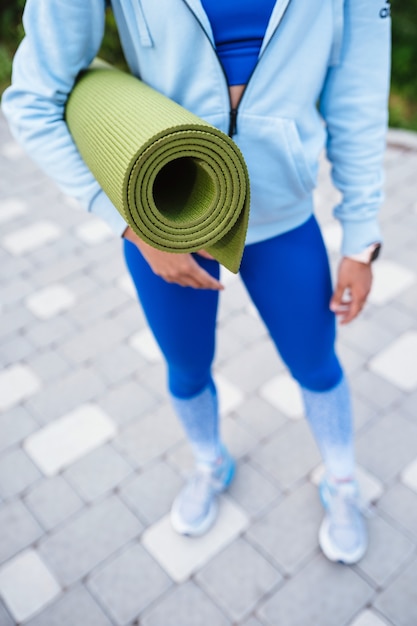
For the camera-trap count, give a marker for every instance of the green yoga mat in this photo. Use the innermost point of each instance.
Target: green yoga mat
(181, 184)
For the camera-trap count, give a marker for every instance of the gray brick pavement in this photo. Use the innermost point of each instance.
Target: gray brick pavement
(85, 525)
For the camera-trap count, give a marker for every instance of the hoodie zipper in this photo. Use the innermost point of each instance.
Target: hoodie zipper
(233, 113)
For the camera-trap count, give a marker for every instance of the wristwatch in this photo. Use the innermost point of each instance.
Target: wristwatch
(368, 255)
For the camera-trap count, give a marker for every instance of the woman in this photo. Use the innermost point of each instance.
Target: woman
(283, 79)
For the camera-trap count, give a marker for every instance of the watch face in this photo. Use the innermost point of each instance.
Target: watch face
(375, 252)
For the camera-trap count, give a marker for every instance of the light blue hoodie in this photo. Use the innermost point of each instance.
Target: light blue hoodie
(322, 78)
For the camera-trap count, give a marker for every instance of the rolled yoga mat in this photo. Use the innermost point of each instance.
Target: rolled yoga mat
(180, 183)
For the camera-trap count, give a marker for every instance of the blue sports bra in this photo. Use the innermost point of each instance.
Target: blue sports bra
(238, 28)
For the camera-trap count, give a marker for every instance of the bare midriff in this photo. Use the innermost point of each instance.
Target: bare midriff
(235, 93)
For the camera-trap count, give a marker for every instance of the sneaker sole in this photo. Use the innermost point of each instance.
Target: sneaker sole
(332, 553)
(205, 525)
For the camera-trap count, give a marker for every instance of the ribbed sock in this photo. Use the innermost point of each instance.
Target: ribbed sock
(330, 417)
(200, 419)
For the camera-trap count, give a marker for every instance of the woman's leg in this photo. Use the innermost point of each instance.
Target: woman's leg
(183, 322)
(288, 279)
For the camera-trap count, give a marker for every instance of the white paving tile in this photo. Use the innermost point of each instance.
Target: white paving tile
(68, 438)
(226, 276)
(125, 283)
(12, 151)
(50, 301)
(409, 476)
(368, 618)
(27, 585)
(332, 235)
(144, 342)
(17, 383)
(181, 556)
(398, 362)
(284, 394)
(31, 238)
(371, 489)
(11, 208)
(93, 232)
(230, 396)
(390, 279)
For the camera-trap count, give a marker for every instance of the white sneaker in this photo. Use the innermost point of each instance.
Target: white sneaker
(195, 508)
(343, 536)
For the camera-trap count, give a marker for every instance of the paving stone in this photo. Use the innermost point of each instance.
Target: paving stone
(368, 618)
(5, 617)
(126, 284)
(247, 327)
(78, 546)
(251, 367)
(25, 240)
(14, 320)
(394, 318)
(378, 392)
(80, 386)
(409, 476)
(12, 208)
(26, 585)
(13, 292)
(186, 605)
(288, 532)
(397, 363)
(50, 301)
(364, 337)
(144, 342)
(19, 529)
(350, 358)
(76, 606)
(289, 455)
(317, 594)
(128, 583)
(398, 601)
(253, 491)
(283, 393)
(52, 501)
(61, 269)
(126, 401)
(15, 425)
(94, 231)
(182, 556)
(46, 333)
(238, 578)
(65, 440)
(230, 396)
(363, 412)
(16, 348)
(98, 303)
(17, 383)
(93, 341)
(97, 472)
(409, 406)
(387, 446)
(400, 504)
(388, 550)
(17, 473)
(118, 363)
(239, 440)
(151, 493)
(149, 437)
(389, 280)
(48, 365)
(260, 417)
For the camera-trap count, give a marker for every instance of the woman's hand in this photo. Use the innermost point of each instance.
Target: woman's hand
(354, 283)
(174, 267)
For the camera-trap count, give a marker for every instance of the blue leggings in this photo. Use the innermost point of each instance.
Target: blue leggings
(288, 279)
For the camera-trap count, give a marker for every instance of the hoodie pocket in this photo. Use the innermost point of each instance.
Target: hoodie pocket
(279, 172)
(135, 14)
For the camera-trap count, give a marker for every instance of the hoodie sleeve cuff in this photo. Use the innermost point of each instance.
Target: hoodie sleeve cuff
(102, 206)
(359, 235)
